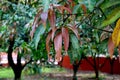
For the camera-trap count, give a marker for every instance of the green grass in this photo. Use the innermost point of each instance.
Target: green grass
(6, 73)
(53, 70)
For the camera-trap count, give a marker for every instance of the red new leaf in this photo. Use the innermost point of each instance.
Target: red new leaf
(53, 32)
(58, 46)
(75, 30)
(111, 47)
(51, 18)
(84, 8)
(44, 16)
(48, 42)
(70, 1)
(62, 8)
(119, 52)
(65, 35)
(35, 23)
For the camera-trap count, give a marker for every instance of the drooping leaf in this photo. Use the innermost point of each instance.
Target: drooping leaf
(62, 8)
(58, 46)
(48, 41)
(75, 30)
(53, 32)
(76, 55)
(84, 8)
(46, 4)
(39, 31)
(44, 16)
(112, 17)
(51, 18)
(75, 42)
(119, 52)
(116, 34)
(65, 36)
(35, 24)
(111, 47)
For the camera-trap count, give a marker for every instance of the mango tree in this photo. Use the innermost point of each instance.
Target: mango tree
(60, 19)
(100, 34)
(14, 34)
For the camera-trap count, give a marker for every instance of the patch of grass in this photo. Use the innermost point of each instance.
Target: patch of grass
(53, 70)
(6, 73)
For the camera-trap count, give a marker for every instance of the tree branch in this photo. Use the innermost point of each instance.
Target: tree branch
(27, 62)
(98, 28)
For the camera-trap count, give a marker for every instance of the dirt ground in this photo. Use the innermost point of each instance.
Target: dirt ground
(68, 76)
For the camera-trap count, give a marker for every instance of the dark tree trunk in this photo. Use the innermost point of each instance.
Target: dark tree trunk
(96, 73)
(75, 69)
(96, 67)
(18, 67)
(111, 65)
(17, 73)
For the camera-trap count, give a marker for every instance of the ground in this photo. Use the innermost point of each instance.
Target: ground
(67, 75)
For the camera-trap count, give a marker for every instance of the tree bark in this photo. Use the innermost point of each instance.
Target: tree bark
(18, 67)
(111, 65)
(75, 69)
(96, 68)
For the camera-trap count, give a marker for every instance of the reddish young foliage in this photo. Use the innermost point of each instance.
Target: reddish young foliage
(65, 36)
(111, 47)
(51, 18)
(48, 42)
(53, 32)
(62, 9)
(58, 46)
(119, 52)
(75, 30)
(44, 16)
(84, 8)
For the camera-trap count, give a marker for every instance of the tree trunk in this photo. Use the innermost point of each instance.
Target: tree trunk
(96, 67)
(75, 69)
(17, 73)
(17, 68)
(96, 73)
(111, 65)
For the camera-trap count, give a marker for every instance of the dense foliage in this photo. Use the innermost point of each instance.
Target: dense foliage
(59, 27)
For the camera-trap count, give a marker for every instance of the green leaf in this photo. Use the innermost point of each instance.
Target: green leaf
(96, 36)
(75, 42)
(74, 53)
(39, 32)
(112, 17)
(108, 4)
(75, 9)
(46, 4)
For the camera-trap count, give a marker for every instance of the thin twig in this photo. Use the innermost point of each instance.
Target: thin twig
(98, 28)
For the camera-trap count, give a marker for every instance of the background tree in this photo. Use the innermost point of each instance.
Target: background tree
(15, 33)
